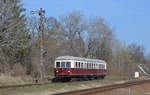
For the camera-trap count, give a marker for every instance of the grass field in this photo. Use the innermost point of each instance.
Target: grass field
(55, 87)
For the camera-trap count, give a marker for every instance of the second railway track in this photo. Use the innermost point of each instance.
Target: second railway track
(92, 91)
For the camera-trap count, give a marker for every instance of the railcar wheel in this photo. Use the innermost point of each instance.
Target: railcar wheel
(65, 79)
(85, 78)
(55, 80)
(96, 77)
(89, 77)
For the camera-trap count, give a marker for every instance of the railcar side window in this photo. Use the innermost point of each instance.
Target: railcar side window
(88, 66)
(58, 64)
(68, 64)
(96, 66)
(62, 64)
(76, 65)
(100, 66)
(79, 65)
(85, 65)
(103, 66)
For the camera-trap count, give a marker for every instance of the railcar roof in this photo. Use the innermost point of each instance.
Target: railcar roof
(78, 58)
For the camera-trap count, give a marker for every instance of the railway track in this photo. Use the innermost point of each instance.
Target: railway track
(104, 89)
(86, 91)
(22, 85)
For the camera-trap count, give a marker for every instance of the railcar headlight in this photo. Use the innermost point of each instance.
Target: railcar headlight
(68, 71)
(57, 71)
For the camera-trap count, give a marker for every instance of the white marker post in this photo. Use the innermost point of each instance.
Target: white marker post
(136, 75)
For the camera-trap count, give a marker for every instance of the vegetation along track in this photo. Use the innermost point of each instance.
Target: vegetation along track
(105, 88)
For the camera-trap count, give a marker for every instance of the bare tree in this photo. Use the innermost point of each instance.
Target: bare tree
(100, 38)
(137, 53)
(73, 26)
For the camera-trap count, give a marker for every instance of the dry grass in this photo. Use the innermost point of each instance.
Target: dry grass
(58, 87)
(9, 80)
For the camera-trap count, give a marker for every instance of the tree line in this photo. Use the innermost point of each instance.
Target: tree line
(71, 34)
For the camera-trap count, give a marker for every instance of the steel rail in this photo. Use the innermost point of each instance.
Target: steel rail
(22, 85)
(105, 88)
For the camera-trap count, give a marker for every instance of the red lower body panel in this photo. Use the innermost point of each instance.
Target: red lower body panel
(78, 71)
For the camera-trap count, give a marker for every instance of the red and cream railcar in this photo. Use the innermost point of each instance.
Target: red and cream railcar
(68, 67)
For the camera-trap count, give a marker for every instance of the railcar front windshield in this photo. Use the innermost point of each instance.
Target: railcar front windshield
(58, 64)
(68, 64)
(63, 64)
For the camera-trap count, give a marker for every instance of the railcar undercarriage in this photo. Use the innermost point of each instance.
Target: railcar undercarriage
(67, 78)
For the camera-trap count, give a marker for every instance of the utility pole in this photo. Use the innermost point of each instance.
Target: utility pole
(41, 14)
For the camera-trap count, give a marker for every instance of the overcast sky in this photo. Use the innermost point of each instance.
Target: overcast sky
(129, 18)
